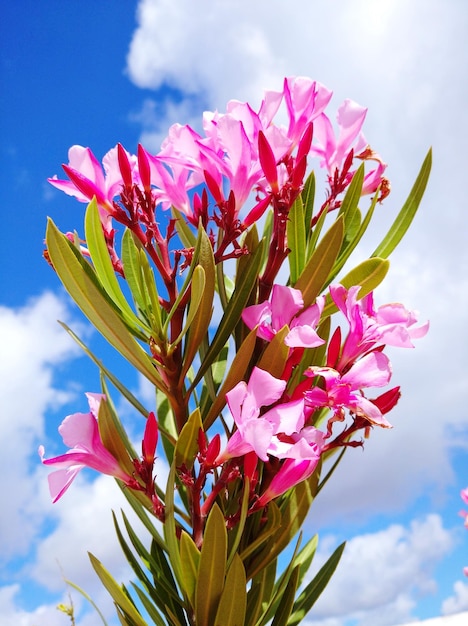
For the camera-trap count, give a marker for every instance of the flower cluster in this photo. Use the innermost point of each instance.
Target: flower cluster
(255, 384)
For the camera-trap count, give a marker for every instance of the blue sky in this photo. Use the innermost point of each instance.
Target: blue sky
(95, 73)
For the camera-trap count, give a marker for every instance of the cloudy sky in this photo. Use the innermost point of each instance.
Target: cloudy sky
(94, 73)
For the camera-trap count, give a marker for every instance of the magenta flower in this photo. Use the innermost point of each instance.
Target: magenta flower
(80, 433)
(278, 432)
(390, 324)
(345, 391)
(291, 472)
(87, 179)
(284, 309)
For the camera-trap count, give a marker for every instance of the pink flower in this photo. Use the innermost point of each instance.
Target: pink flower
(292, 472)
(80, 433)
(87, 179)
(345, 391)
(278, 432)
(284, 310)
(334, 150)
(390, 324)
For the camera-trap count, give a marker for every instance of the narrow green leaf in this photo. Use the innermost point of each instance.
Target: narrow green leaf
(183, 229)
(110, 436)
(88, 598)
(276, 354)
(285, 606)
(116, 591)
(350, 202)
(103, 265)
(315, 234)
(83, 287)
(190, 557)
(295, 506)
(233, 601)
(314, 589)
(170, 529)
(270, 528)
(232, 314)
(236, 374)
(212, 567)
(200, 315)
(347, 250)
(308, 198)
(131, 262)
(369, 274)
(196, 295)
(318, 267)
(407, 213)
(149, 606)
(150, 292)
(259, 594)
(187, 444)
(296, 238)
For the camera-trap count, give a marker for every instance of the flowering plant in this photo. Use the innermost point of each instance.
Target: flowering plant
(220, 289)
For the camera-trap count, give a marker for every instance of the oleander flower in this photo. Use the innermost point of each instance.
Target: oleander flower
(80, 432)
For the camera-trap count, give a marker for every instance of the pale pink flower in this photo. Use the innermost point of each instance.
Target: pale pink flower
(286, 308)
(345, 391)
(80, 432)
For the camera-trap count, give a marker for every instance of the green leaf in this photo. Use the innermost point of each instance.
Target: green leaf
(314, 589)
(236, 374)
(285, 606)
(369, 274)
(132, 268)
(212, 568)
(187, 444)
(88, 598)
(81, 283)
(318, 267)
(183, 229)
(271, 527)
(259, 594)
(200, 315)
(149, 606)
(116, 591)
(190, 557)
(196, 295)
(296, 238)
(308, 197)
(295, 506)
(170, 528)
(350, 203)
(276, 354)
(103, 265)
(407, 213)
(232, 313)
(150, 293)
(110, 436)
(233, 601)
(351, 245)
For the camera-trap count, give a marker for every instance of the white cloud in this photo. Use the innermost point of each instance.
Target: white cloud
(43, 615)
(459, 601)
(379, 573)
(33, 345)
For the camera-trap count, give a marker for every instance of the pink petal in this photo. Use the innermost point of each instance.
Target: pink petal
(373, 370)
